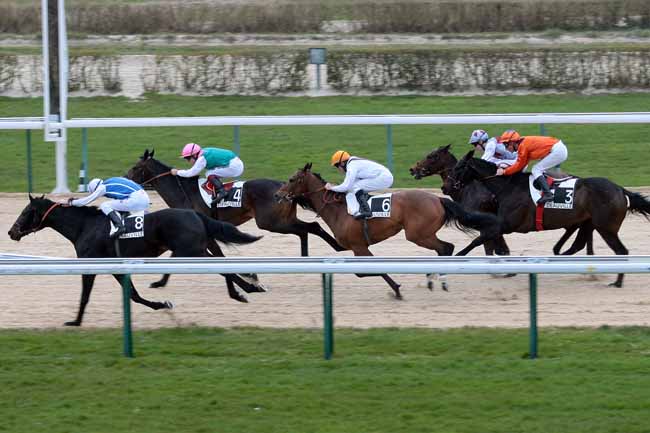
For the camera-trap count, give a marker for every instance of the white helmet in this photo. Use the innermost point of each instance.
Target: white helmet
(477, 136)
(93, 184)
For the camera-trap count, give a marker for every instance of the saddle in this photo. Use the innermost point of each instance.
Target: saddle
(209, 187)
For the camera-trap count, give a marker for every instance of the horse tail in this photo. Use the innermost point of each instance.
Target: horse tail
(638, 203)
(226, 232)
(467, 221)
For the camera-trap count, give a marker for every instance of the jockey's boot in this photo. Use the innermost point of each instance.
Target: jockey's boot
(547, 195)
(117, 221)
(219, 191)
(364, 209)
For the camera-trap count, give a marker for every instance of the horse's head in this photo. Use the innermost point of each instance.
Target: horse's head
(31, 218)
(146, 168)
(300, 184)
(466, 171)
(436, 162)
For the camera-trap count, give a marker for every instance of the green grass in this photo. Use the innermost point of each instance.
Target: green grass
(380, 380)
(614, 151)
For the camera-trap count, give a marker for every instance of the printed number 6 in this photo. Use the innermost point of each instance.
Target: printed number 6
(139, 222)
(385, 205)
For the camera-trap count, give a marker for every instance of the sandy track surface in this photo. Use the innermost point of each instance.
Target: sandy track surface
(295, 300)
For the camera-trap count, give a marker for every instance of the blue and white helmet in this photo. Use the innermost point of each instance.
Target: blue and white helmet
(478, 136)
(93, 184)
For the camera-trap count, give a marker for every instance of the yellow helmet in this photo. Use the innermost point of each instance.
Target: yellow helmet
(339, 157)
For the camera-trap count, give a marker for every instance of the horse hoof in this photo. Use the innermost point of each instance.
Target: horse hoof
(261, 288)
(168, 304)
(156, 284)
(445, 287)
(615, 284)
(430, 286)
(509, 275)
(73, 323)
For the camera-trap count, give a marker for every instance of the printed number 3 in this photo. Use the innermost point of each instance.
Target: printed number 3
(569, 196)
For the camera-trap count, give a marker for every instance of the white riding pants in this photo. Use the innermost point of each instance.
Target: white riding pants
(557, 156)
(235, 169)
(136, 202)
(383, 181)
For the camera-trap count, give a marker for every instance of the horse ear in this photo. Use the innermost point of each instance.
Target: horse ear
(152, 152)
(469, 155)
(446, 148)
(31, 198)
(146, 154)
(307, 167)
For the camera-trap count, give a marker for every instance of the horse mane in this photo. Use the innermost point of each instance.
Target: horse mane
(483, 165)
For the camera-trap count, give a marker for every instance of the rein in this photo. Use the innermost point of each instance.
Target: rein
(156, 177)
(334, 199)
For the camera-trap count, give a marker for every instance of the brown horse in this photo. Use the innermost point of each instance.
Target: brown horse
(476, 196)
(597, 201)
(420, 214)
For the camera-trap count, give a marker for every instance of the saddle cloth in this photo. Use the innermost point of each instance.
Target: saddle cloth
(232, 199)
(133, 223)
(563, 192)
(380, 205)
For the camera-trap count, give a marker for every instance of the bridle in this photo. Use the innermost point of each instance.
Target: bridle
(40, 224)
(334, 197)
(156, 177)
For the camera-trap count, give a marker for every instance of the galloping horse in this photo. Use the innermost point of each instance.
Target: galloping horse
(597, 202)
(182, 231)
(475, 196)
(420, 214)
(257, 202)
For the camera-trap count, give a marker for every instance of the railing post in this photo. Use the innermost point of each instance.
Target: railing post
(389, 146)
(542, 129)
(83, 171)
(28, 137)
(328, 326)
(126, 302)
(236, 140)
(532, 286)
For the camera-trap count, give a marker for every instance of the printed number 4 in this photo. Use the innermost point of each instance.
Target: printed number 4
(237, 194)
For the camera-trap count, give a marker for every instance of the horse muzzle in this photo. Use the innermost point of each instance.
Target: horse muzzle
(15, 234)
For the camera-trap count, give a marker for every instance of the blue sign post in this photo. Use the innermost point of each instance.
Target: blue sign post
(318, 56)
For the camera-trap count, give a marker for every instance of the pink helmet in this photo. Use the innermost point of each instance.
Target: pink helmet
(191, 149)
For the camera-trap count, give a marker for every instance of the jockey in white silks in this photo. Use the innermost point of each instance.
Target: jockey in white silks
(126, 195)
(361, 177)
(493, 151)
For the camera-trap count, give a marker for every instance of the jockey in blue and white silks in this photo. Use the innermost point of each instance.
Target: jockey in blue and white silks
(126, 195)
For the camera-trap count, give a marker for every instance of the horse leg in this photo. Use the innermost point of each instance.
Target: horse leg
(315, 229)
(617, 246)
(484, 236)
(135, 296)
(560, 243)
(87, 282)
(393, 285)
(160, 283)
(248, 282)
(439, 246)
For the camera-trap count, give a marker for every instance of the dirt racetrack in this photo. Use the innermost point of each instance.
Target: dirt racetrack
(295, 300)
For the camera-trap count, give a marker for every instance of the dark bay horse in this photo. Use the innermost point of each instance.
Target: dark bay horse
(257, 202)
(182, 231)
(420, 214)
(476, 196)
(597, 202)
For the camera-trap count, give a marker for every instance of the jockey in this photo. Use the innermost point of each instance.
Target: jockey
(218, 163)
(493, 151)
(550, 152)
(126, 195)
(361, 177)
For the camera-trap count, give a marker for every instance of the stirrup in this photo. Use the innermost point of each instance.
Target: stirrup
(545, 198)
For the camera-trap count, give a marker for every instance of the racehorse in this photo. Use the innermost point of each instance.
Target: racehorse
(420, 214)
(182, 231)
(597, 202)
(475, 196)
(257, 202)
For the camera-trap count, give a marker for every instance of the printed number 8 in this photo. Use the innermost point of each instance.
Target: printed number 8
(139, 222)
